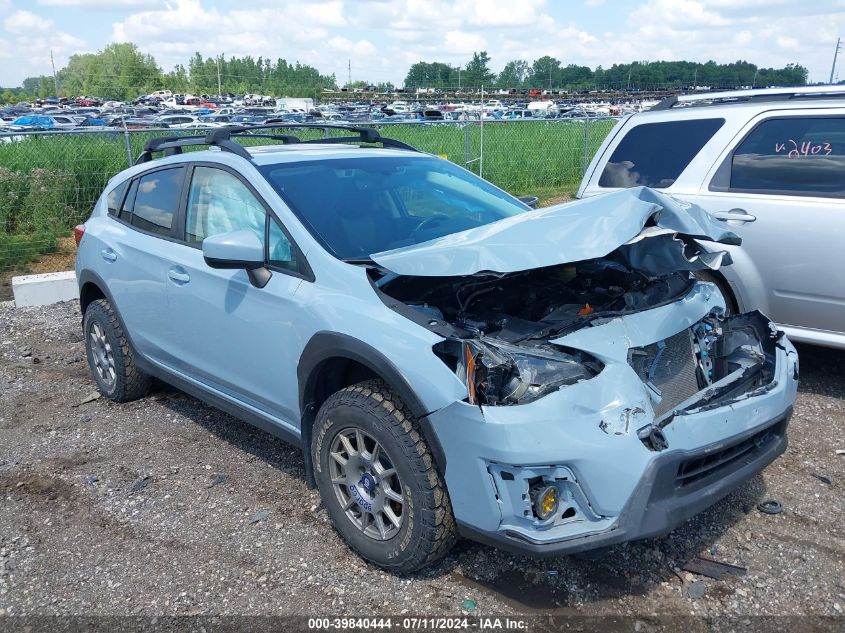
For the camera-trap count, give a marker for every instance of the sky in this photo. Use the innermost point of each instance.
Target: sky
(382, 38)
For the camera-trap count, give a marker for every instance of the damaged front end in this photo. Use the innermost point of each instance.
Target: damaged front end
(514, 335)
(503, 333)
(608, 397)
(719, 360)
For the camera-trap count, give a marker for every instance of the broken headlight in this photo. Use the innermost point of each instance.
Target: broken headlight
(502, 374)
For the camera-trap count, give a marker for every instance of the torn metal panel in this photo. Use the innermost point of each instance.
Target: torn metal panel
(671, 251)
(570, 232)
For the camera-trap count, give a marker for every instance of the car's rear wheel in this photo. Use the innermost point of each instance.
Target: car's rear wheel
(377, 479)
(110, 356)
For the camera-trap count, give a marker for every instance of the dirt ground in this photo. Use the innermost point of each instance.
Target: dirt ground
(168, 507)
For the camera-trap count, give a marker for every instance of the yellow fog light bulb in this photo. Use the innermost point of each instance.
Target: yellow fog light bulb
(545, 502)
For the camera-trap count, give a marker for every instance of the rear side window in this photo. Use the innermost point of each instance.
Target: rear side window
(803, 156)
(655, 154)
(115, 198)
(157, 199)
(126, 208)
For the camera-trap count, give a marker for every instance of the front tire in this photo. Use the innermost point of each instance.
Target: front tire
(110, 356)
(377, 479)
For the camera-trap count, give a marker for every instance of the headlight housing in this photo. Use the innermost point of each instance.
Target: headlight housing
(503, 374)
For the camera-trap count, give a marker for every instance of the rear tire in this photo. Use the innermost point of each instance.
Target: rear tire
(110, 356)
(369, 428)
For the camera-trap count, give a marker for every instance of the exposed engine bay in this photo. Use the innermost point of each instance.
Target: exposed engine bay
(532, 306)
(498, 327)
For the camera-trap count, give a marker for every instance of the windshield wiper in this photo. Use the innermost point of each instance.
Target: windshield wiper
(359, 261)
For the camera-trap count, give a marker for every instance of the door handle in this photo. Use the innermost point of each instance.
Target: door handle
(108, 254)
(735, 215)
(178, 277)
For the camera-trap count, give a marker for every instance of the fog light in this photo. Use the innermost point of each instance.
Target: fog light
(545, 501)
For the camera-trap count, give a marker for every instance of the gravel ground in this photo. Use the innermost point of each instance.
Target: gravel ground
(168, 507)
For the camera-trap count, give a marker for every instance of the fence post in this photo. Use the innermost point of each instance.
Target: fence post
(467, 148)
(128, 143)
(586, 145)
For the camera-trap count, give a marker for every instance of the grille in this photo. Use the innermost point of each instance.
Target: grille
(669, 368)
(693, 470)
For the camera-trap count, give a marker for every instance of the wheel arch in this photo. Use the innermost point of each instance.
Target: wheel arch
(724, 286)
(331, 361)
(93, 287)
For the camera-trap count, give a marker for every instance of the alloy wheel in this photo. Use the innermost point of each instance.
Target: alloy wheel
(366, 484)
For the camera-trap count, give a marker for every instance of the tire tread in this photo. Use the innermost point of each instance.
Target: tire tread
(439, 532)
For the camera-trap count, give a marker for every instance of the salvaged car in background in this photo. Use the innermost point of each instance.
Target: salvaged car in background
(450, 360)
(767, 164)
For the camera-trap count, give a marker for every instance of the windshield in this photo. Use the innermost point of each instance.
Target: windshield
(360, 206)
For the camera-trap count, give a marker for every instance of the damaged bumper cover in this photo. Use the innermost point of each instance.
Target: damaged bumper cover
(616, 482)
(660, 502)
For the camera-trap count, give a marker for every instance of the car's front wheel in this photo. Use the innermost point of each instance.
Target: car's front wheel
(377, 479)
(110, 356)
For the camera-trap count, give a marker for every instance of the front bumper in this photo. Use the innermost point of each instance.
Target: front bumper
(658, 503)
(621, 490)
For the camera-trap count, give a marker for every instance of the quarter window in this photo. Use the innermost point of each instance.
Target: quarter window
(280, 251)
(655, 154)
(126, 209)
(802, 156)
(115, 197)
(157, 199)
(218, 202)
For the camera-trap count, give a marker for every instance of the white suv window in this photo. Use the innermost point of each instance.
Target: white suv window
(655, 154)
(800, 156)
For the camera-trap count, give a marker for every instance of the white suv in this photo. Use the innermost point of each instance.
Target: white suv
(771, 165)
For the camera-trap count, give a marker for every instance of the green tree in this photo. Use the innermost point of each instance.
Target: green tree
(477, 71)
(119, 71)
(514, 74)
(545, 73)
(431, 75)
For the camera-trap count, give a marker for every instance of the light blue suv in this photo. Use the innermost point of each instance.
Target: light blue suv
(450, 360)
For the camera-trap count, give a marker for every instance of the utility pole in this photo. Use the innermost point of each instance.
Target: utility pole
(349, 68)
(695, 78)
(835, 55)
(219, 90)
(56, 77)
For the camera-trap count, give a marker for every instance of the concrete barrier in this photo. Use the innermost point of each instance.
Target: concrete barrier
(44, 289)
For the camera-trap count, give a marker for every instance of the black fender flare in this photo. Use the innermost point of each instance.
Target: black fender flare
(325, 345)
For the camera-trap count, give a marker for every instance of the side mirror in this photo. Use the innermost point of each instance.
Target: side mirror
(531, 201)
(237, 250)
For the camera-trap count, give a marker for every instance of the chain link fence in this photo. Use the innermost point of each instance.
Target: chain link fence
(49, 181)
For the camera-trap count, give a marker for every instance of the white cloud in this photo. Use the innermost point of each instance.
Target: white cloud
(110, 5)
(383, 37)
(30, 40)
(22, 21)
(293, 31)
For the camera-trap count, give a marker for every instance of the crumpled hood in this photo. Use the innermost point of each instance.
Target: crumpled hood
(571, 232)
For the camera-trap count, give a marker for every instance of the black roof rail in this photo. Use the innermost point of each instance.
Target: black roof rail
(222, 138)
